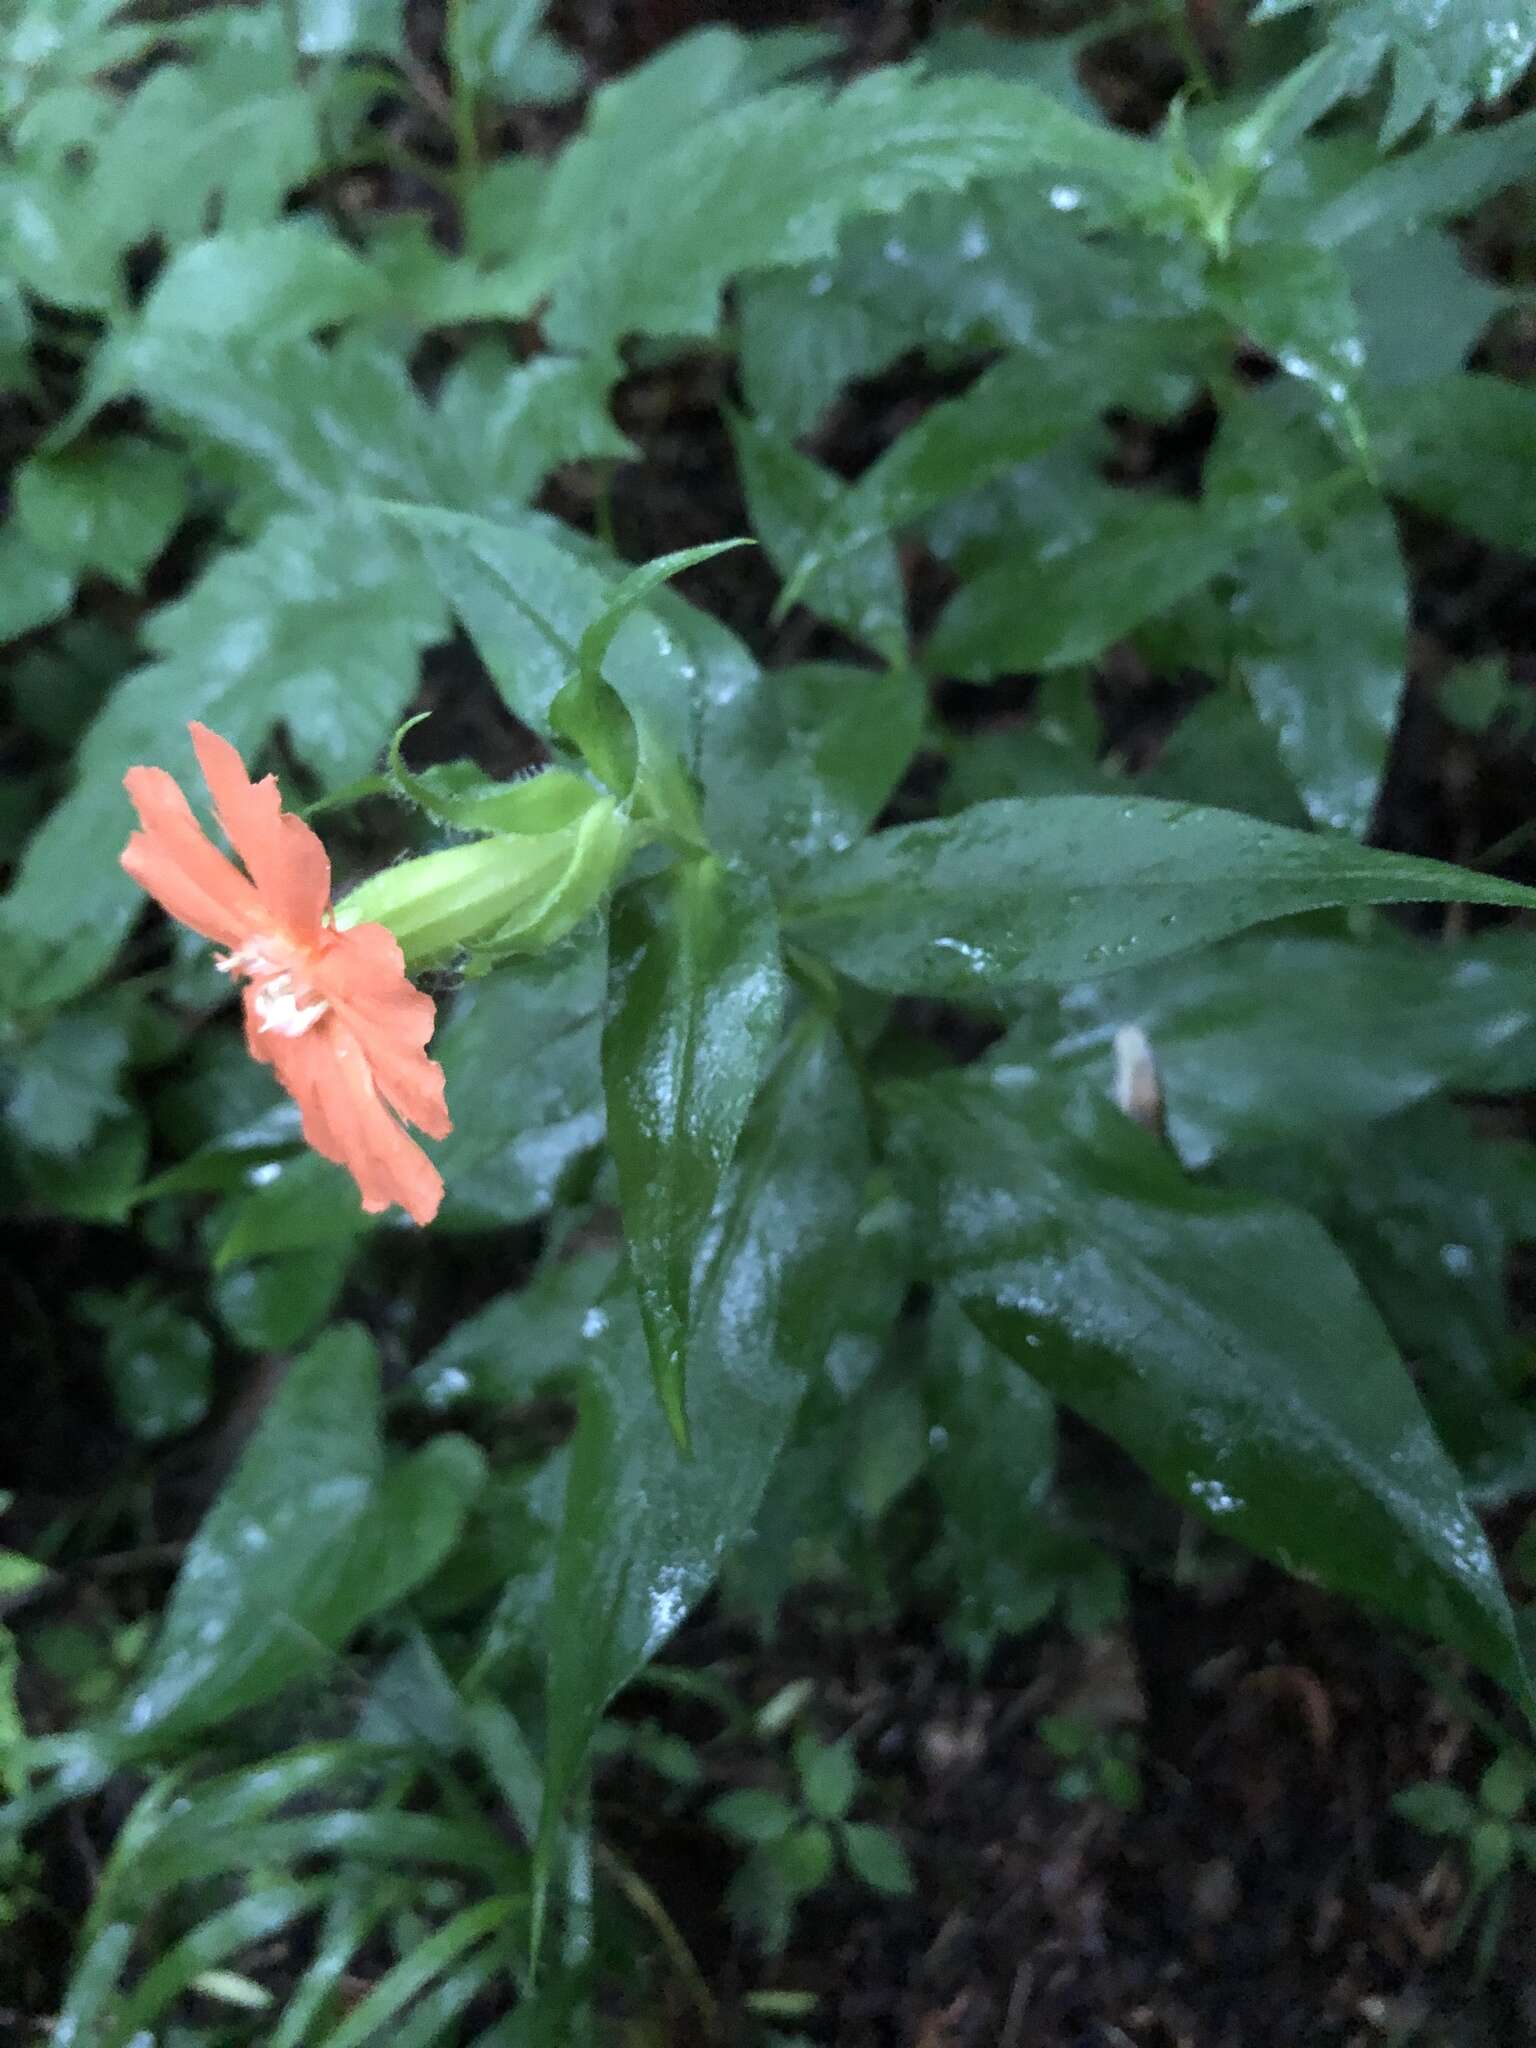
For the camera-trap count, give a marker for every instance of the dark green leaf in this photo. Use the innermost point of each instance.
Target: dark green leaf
(67, 1082)
(1064, 888)
(790, 498)
(877, 1859)
(646, 1525)
(696, 995)
(1222, 1340)
(311, 1535)
(1463, 449)
(1276, 1039)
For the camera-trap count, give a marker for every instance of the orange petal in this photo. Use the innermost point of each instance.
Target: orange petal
(174, 860)
(346, 1120)
(283, 857)
(362, 972)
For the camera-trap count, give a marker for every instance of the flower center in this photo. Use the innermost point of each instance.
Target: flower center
(285, 1009)
(283, 999)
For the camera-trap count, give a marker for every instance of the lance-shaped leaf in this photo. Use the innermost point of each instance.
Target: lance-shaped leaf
(696, 994)
(1222, 1340)
(1060, 889)
(313, 1533)
(645, 1523)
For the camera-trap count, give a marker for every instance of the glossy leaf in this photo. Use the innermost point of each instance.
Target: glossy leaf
(1065, 888)
(725, 198)
(803, 760)
(696, 995)
(311, 1535)
(647, 1525)
(1047, 607)
(1319, 621)
(1223, 1341)
(1443, 58)
(790, 498)
(1277, 1039)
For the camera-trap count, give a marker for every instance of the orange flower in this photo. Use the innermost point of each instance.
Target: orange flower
(331, 1011)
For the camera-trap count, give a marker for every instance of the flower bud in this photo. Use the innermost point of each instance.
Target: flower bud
(508, 892)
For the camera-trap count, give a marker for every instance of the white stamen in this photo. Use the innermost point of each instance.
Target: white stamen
(280, 1008)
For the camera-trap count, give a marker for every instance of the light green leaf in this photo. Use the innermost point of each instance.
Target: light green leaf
(1065, 888)
(695, 999)
(1444, 59)
(105, 505)
(1222, 1340)
(770, 183)
(311, 1535)
(319, 624)
(35, 586)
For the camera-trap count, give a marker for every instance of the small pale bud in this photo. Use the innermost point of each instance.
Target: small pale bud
(507, 892)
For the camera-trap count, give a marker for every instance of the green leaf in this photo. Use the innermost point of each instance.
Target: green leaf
(35, 587)
(1294, 302)
(1222, 1340)
(1422, 311)
(829, 1775)
(1280, 1039)
(109, 506)
(802, 760)
(696, 995)
(752, 1816)
(588, 712)
(1048, 606)
(1004, 266)
(1064, 888)
(495, 46)
(1463, 449)
(1319, 633)
(527, 600)
(771, 182)
(311, 1535)
(1014, 412)
(646, 1525)
(1445, 179)
(68, 1081)
(319, 624)
(877, 1859)
(790, 498)
(1444, 59)
(160, 1365)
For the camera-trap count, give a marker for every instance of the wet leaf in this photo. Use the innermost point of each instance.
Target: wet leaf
(312, 1533)
(646, 1525)
(1040, 890)
(1222, 1340)
(696, 995)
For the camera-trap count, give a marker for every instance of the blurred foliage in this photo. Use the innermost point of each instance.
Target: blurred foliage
(1137, 508)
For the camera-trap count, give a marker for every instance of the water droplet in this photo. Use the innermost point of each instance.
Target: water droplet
(1457, 1259)
(1065, 198)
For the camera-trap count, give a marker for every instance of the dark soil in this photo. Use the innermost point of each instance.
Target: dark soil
(1263, 1894)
